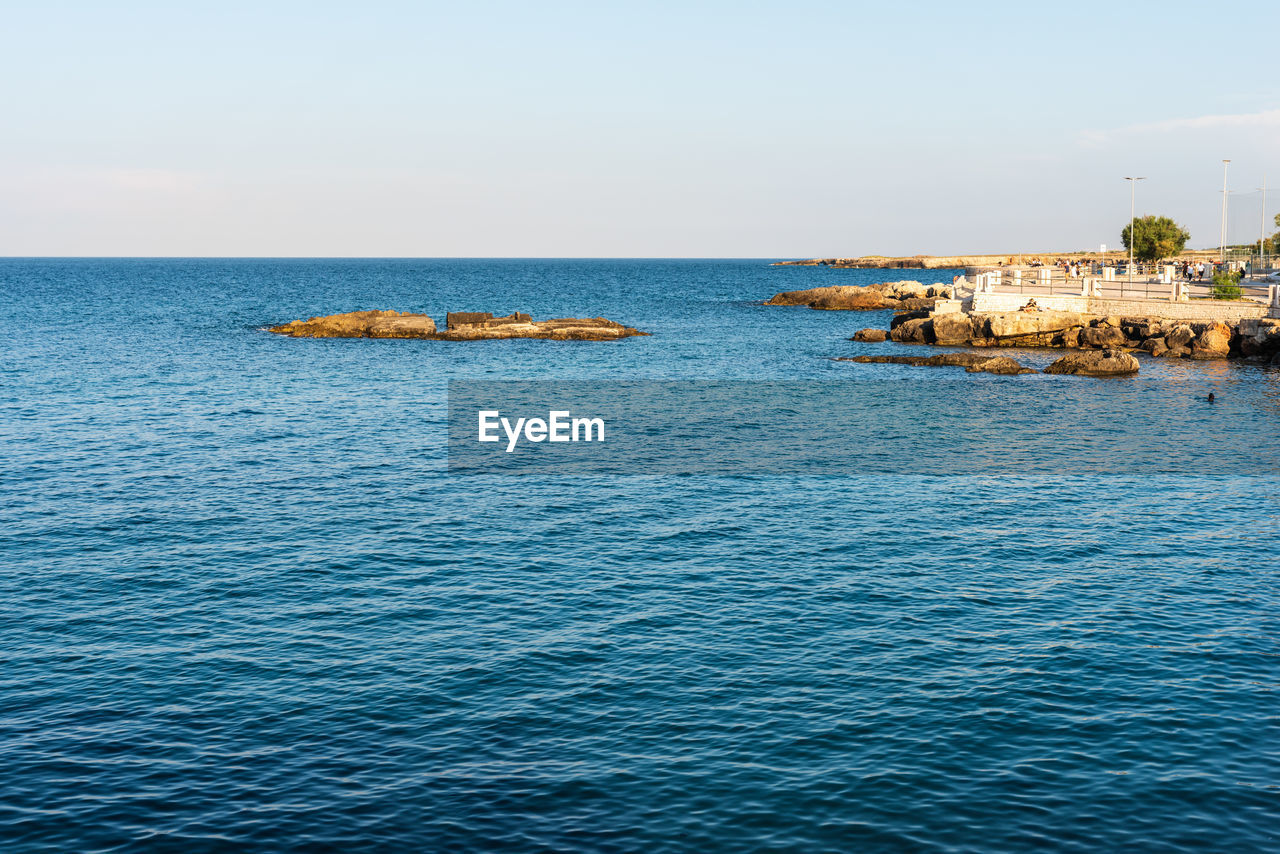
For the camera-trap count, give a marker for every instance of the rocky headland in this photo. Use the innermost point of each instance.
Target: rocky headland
(936, 262)
(899, 296)
(459, 326)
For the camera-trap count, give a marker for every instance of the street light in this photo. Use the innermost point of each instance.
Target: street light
(1133, 232)
(1262, 236)
(1222, 244)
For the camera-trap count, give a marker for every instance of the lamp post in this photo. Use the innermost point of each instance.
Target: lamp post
(1133, 232)
(1222, 243)
(1262, 230)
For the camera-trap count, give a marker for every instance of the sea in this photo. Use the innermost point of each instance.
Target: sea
(246, 604)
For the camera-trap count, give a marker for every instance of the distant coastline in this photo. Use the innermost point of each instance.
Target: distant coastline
(933, 262)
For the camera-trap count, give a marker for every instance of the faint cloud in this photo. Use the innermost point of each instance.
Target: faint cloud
(1266, 119)
(103, 189)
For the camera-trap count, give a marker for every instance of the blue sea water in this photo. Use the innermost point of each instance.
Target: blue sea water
(246, 606)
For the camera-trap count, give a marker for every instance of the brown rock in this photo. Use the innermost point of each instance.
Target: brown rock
(914, 331)
(973, 362)
(1095, 363)
(1029, 324)
(1262, 339)
(1069, 338)
(558, 329)
(361, 324)
(461, 326)
(1102, 337)
(835, 298)
(883, 360)
(952, 328)
(1179, 336)
(999, 365)
(901, 318)
(871, 335)
(1213, 343)
(960, 360)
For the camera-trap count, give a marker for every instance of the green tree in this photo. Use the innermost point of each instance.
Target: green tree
(1272, 246)
(1157, 237)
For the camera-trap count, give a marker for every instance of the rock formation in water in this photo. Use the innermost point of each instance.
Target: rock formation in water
(971, 362)
(1095, 363)
(361, 324)
(894, 295)
(459, 326)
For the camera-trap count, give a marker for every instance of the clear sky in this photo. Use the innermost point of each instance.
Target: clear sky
(735, 129)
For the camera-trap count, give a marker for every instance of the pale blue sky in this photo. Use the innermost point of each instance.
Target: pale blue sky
(600, 129)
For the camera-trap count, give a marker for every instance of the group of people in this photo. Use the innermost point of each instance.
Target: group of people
(1187, 270)
(1199, 271)
(1070, 269)
(1191, 271)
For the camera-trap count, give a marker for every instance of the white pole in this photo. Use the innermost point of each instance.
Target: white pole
(1222, 243)
(1133, 232)
(1262, 232)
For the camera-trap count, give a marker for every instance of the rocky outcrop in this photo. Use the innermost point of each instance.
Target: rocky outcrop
(361, 324)
(999, 365)
(469, 327)
(908, 295)
(972, 362)
(1095, 363)
(870, 335)
(834, 298)
(460, 326)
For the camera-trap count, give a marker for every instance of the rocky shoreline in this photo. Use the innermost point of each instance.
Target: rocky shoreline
(459, 326)
(1253, 340)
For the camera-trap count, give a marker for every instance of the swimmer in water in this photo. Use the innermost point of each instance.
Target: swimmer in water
(1211, 397)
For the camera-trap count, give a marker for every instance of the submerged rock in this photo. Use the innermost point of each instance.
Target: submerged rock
(999, 365)
(973, 362)
(1095, 363)
(460, 326)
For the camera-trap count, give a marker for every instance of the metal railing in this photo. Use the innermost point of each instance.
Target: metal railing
(1146, 282)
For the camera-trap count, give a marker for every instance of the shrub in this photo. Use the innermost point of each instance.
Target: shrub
(1226, 286)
